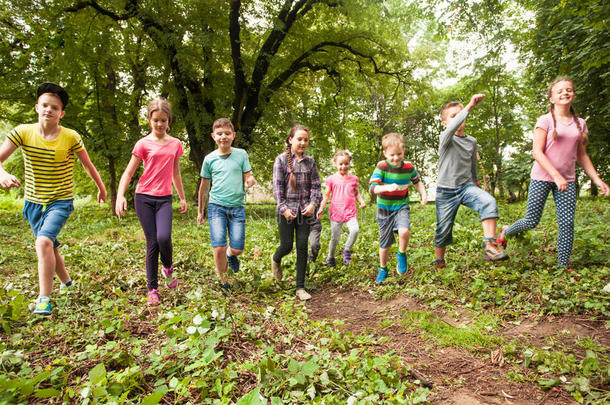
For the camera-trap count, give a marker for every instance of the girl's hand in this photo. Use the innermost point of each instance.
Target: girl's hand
(309, 210)
(8, 181)
(562, 184)
(320, 212)
(200, 218)
(183, 206)
(289, 215)
(121, 206)
(362, 205)
(603, 187)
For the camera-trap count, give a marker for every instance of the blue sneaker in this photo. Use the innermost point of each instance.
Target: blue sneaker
(401, 263)
(381, 276)
(233, 263)
(43, 306)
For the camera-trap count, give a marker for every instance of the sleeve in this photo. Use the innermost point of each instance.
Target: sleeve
(279, 184)
(315, 193)
(245, 166)
(447, 135)
(139, 150)
(77, 143)
(15, 136)
(415, 176)
(206, 169)
(179, 150)
(475, 164)
(544, 122)
(376, 178)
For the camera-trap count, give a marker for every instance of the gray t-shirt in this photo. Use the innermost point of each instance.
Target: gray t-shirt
(457, 156)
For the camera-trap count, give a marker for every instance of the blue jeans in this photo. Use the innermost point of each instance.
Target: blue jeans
(223, 218)
(48, 220)
(448, 201)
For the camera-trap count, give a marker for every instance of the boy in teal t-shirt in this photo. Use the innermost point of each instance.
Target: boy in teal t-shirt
(230, 172)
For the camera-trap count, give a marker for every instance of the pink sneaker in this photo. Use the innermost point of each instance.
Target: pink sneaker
(167, 273)
(153, 297)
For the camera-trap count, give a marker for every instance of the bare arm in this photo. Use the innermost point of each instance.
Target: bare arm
(202, 199)
(83, 156)
(419, 186)
(249, 179)
(384, 188)
(324, 202)
(360, 200)
(177, 179)
(540, 157)
(121, 204)
(584, 161)
(7, 180)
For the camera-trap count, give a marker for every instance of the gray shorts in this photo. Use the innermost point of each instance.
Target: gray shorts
(390, 223)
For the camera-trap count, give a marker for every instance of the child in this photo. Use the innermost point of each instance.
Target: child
(344, 189)
(48, 154)
(458, 183)
(160, 154)
(230, 172)
(296, 188)
(560, 140)
(390, 182)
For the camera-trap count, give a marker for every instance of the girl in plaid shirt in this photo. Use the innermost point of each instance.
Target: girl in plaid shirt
(296, 188)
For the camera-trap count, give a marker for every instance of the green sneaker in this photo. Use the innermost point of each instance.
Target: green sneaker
(43, 306)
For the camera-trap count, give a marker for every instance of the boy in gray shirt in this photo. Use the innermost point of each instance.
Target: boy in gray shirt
(458, 183)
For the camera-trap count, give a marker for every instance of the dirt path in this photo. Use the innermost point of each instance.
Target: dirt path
(458, 376)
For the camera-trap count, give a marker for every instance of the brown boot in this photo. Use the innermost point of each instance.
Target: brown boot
(493, 253)
(276, 269)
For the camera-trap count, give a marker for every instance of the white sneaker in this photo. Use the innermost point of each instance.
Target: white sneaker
(303, 295)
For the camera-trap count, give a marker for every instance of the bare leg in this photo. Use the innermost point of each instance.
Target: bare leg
(489, 227)
(403, 239)
(60, 267)
(46, 264)
(234, 252)
(220, 260)
(439, 252)
(384, 254)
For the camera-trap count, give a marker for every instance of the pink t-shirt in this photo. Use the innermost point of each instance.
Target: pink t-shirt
(562, 152)
(343, 197)
(158, 165)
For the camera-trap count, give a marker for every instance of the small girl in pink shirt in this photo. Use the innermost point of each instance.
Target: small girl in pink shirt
(344, 190)
(560, 140)
(160, 154)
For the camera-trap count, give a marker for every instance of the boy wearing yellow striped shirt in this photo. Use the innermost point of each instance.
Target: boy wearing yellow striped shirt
(48, 155)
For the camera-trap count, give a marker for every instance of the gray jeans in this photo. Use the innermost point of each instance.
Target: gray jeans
(335, 235)
(315, 228)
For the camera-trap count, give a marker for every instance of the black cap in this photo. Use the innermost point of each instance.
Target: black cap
(53, 88)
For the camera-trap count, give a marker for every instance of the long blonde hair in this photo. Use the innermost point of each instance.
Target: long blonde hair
(549, 93)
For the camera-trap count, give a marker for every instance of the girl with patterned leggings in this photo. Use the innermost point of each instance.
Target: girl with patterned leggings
(560, 140)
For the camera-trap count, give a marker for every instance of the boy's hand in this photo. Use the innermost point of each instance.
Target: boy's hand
(200, 218)
(8, 180)
(309, 210)
(476, 99)
(289, 215)
(250, 181)
(424, 200)
(362, 205)
(183, 206)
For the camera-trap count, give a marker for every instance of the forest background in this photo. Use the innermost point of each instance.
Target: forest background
(351, 70)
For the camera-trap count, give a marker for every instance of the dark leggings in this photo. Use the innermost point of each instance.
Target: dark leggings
(565, 205)
(155, 215)
(298, 229)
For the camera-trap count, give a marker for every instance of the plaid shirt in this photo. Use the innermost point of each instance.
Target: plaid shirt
(308, 190)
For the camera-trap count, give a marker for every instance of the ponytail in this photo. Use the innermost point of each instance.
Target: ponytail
(292, 181)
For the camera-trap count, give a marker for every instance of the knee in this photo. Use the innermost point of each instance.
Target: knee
(164, 240)
(237, 251)
(403, 232)
(44, 243)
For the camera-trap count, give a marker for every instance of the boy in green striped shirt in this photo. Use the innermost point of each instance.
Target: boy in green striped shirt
(390, 182)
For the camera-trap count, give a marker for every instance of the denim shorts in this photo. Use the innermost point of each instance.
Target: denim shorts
(223, 218)
(390, 223)
(448, 201)
(48, 220)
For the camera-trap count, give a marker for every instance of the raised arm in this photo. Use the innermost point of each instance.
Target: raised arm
(7, 180)
(121, 203)
(447, 135)
(584, 161)
(177, 179)
(83, 156)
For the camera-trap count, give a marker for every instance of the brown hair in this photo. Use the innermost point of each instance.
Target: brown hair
(223, 123)
(160, 104)
(447, 106)
(342, 152)
(549, 93)
(292, 181)
(392, 139)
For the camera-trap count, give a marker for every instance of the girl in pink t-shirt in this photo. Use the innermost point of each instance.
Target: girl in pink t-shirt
(344, 190)
(560, 140)
(160, 154)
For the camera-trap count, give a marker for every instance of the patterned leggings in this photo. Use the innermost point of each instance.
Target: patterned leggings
(565, 204)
